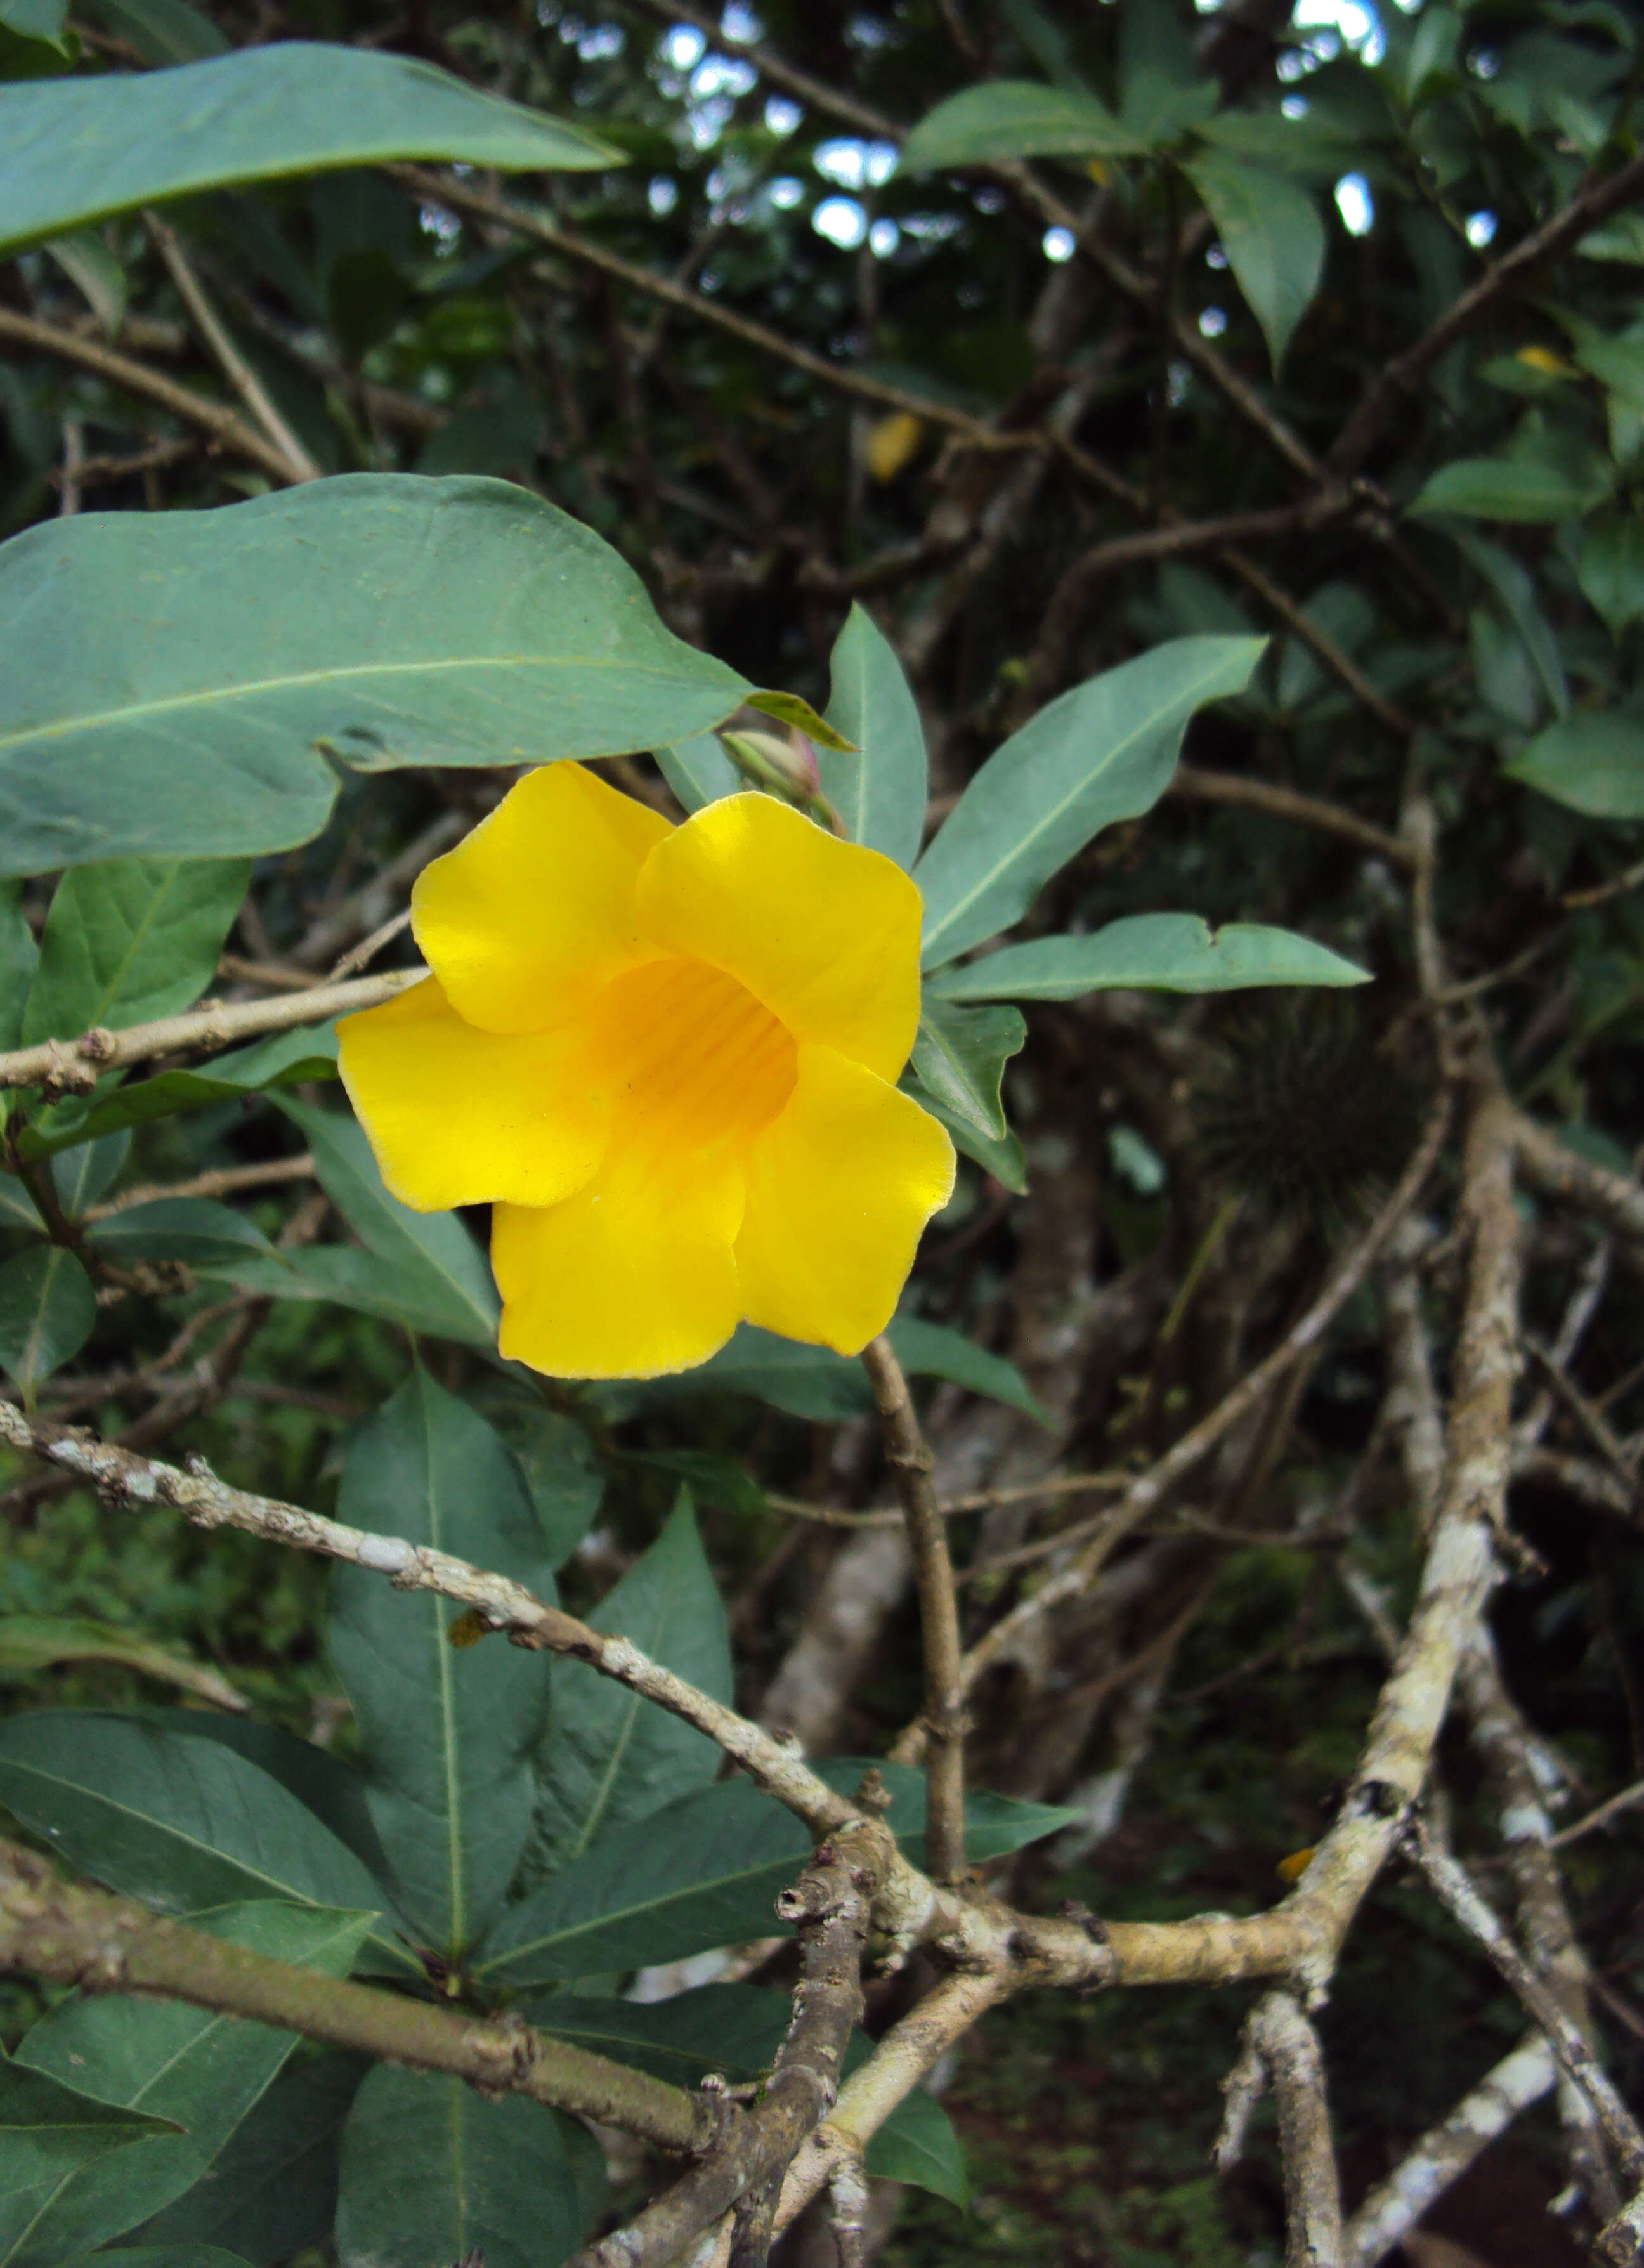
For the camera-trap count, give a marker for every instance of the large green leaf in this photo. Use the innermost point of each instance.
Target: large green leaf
(879, 790)
(1595, 764)
(376, 620)
(1611, 571)
(810, 1381)
(434, 1253)
(162, 2255)
(918, 2144)
(959, 1056)
(271, 2191)
(1015, 118)
(705, 1872)
(84, 148)
(447, 1733)
(20, 957)
(198, 1231)
(30, 1642)
(201, 2069)
(160, 30)
(611, 1756)
(1273, 238)
(334, 1791)
(178, 1821)
(47, 1312)
(131, 940)
(35, 41)
(1102, 752)
(1001, 1156)
(1147, 953)
(1508, 488)
(935, 1351)
(48, 2131)
(84, 1175)
(431, 2172)
(698, 770)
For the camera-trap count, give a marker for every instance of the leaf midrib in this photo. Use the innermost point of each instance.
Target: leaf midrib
(248, 688)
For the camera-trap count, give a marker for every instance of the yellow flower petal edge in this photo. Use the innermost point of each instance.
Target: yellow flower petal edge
(535, 909)
(457, 1115)
(839, 1189)
(666, 1056)
(824, 932)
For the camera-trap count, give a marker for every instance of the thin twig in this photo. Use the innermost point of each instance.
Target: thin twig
(223, 425)
(910, 1458)
(1201, 786)
(221, 1181)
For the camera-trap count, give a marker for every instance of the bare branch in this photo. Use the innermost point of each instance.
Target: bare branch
(1201, 786)
(223, 425)
(1285, 2043)
(910, 1458)
(1557, 1172)
(72, 1934)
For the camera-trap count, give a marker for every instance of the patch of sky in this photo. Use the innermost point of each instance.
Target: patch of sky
(740, 25)
(731, 75)
(444, 227)
(931, 228)
(783, 117)
(707, 121)
(785, 193)
(883, 238)
(989, 199)
(1058, 244)
(1214, 322)
(662, 195)
(1356, 204)
(841, 220)
(1294, 106)
(869, 32)
(1484, 62)
(1215, 257)
(853, 165)
(600, 43)
(1480, 228)
(683, 47)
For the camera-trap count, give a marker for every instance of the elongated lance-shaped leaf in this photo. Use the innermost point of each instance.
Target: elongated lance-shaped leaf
(47, 1312)
(1016, 118)
(183, 684)
(201, 2069)
(1593, 763)
(47, 2133)
(80, 149)
(432, 2171)
(447, 1732)
(1147, 953)
(1102, 752)
(1273, 239)
(880, 791)
(611, 1757)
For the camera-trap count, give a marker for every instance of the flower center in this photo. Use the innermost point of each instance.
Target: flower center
(697, 1063)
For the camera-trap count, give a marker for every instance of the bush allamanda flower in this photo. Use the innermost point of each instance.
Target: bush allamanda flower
(666, 1057)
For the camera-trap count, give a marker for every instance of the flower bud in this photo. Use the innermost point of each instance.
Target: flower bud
(788, 765)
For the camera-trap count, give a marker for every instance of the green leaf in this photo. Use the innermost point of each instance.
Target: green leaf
(271, 2191)
(95, 273)
(1273, 238)
(35, 41)
(202, 2071)
(959, 1056)
(1006, 1161)
(611, 1756)
(20, 957)
(197, 1232)
(82, 1175)
(1102, 752)
(706, 1871)
(433, 2172)
(84, 148)
(1015, 118)
(176, 1820)
(1516, 591)
(447, 1733)
(340, 1275)
(162, 2255)
(1507, 488)
(1611, 570)
(48, 2131)
(1319, 149)
(918, 2144)
(1595, 764)
(1620, 239)
(161, 31)
(698, 770)
(735, 2030)
(378, 620)
(30, 1642)
(934, 1350)
(130, 941)
(880, 791)
(1150, 952)
(285, 1059)
(47, 1312)
(565, 1479)
(432, 1249)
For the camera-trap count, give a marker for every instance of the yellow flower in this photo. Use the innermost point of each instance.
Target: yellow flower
(666, 1057)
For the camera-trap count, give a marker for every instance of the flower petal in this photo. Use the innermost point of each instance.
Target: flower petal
(824, 932)
(460, 1116)
(631, 1278)
(840, 1190)
(536, 906)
